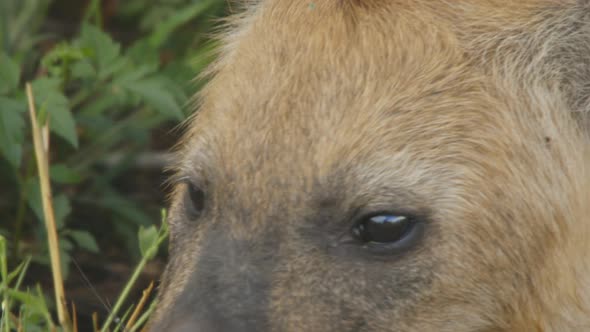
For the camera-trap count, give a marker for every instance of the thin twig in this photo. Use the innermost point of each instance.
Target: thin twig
(74, 318)
(95, 327)
(144, 317)
(46, 198)
(140, 305)
(45, 137)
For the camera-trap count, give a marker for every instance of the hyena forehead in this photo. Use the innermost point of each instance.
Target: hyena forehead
(335, 59)
(327, 87)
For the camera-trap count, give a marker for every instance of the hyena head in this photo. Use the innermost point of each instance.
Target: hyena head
(368, 165)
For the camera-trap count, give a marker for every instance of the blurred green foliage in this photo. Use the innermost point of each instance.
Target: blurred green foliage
(33, 310)
(105, 75)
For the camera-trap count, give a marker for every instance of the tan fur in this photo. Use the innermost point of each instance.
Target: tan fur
(476, 111)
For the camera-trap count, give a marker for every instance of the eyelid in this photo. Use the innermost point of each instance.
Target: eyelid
(183, 179)
(177, 179)
(187, 180)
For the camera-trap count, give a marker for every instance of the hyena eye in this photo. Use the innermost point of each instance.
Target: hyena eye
(195, 200)
(384, 229)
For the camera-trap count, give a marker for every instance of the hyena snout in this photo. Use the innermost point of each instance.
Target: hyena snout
(229, 288)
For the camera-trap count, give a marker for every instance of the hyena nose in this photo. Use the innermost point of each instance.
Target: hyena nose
(229, 297)
(230, 288)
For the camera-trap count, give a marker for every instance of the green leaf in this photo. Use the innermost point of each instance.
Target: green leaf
(165, 29)
(31, 301)
(65, 244)
(176, 89)
(33, 192)
(15, 273)
(155, 93)
(61, 203)
(83, 69)
(142, 52)
(62, 208)
(134, 75)
(12, 124)
(84, 240)
(65, 257)
(148, 239)
(61, 173)
(106, 52)
(49, 98)
(96, 108)
(124, 207)
(58, 61)
(3, 263)
(9, 74)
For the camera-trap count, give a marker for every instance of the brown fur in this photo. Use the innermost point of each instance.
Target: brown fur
(473, 113)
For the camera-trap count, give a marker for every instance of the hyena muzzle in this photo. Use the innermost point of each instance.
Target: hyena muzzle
(375, 165)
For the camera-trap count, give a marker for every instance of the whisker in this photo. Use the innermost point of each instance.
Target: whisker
(106, 305)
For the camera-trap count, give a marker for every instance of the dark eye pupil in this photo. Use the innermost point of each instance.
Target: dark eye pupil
(382, 229)
(197, 198)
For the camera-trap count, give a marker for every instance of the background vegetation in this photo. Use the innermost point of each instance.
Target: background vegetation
(111, 80)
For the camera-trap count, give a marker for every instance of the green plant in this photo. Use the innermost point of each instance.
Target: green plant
(106, 80)
(19, 25)
(110, 92)
(33, 312)
(101, 99)
(150, 240)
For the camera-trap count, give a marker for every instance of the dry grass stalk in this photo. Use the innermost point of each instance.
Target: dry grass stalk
(144, 297)
(95, 327)
(74, 318)
(41, 149)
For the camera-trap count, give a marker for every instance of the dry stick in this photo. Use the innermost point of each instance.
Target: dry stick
(95, 322)
(140, 305)
(19, 323)
(43, 169)
(45, 136)
(74, 318)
